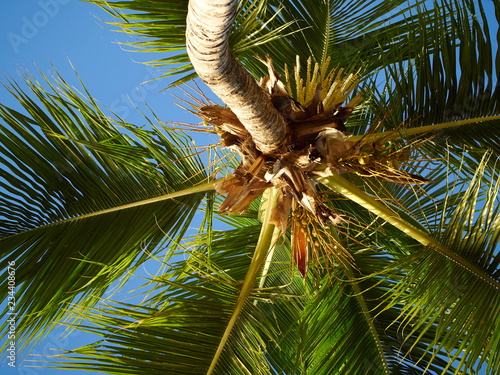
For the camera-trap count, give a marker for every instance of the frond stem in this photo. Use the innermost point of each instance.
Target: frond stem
(392, 134)
(349, 190)
(261, 250)
(368, 318)
(192, 190)
(269, 258)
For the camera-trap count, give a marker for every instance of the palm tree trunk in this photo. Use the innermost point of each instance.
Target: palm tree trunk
(208, 27)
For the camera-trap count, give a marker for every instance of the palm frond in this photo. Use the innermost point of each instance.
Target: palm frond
(452, 78)
(440, 294)
(403, 307)
(352, 33)
(70, 177)
(161, 27)
(342, 334)
(178, 329)
(338, 325)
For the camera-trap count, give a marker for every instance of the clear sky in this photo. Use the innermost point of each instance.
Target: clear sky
(44, 31)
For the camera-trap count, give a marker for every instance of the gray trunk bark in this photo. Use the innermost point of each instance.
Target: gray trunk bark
(208, 26)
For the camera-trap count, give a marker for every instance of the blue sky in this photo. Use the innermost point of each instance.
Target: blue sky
(42, 32)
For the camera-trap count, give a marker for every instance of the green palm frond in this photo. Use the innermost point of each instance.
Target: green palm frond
(437, 59)
(161, 27)
(445, 305)
(158, 26)
(451, 79)
(351, 325)
(179, 328)
(435, 296)
(342, 334)
(413, 332)
(455, 75)
(84, 201)
(354, 34)
(338, 329)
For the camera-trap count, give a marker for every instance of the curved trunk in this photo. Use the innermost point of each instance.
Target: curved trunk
(208, 27)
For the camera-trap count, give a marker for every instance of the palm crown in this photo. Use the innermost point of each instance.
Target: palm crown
(406, 281)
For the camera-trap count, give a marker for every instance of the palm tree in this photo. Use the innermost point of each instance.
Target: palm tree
(395, 209)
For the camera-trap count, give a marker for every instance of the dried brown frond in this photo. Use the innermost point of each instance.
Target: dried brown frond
(313, 115)
(315, 112)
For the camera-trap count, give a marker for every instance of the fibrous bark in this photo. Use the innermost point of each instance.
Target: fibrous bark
(208, 26)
